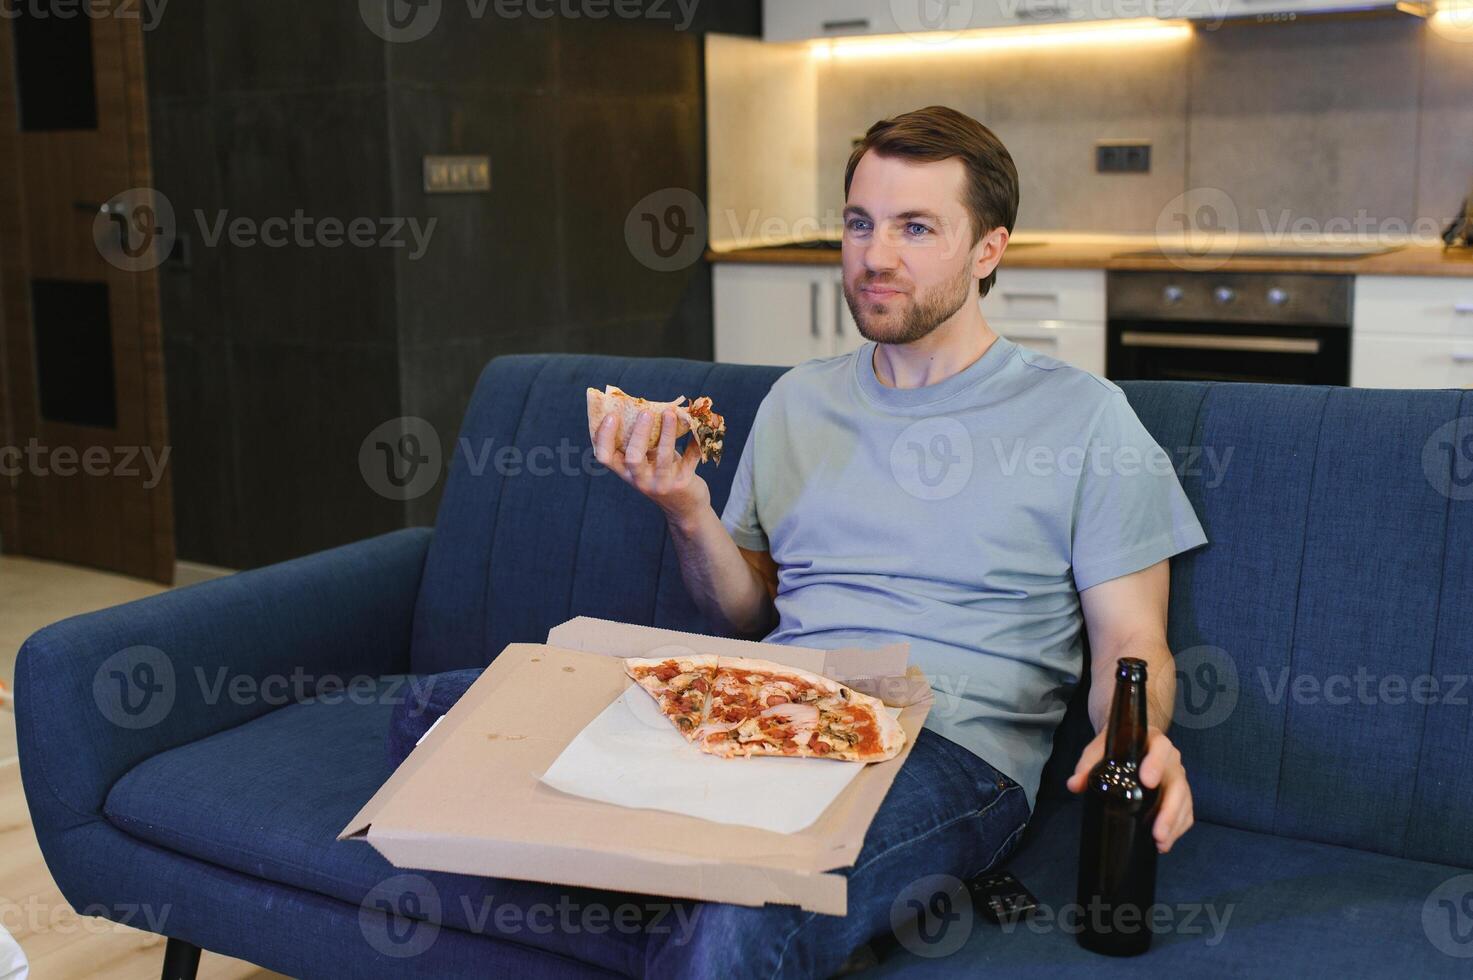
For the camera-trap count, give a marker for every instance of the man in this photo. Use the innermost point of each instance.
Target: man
(943, 486)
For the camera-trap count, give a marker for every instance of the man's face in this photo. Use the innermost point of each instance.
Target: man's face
(909, 262)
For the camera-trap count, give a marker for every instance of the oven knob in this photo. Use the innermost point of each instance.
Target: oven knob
(1172, 294)
(1277, 296)
(1224, 294)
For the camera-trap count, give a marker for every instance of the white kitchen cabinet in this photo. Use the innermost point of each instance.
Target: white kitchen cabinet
(800, 20)
(1217, 10)
(1079, 344)
(1412, 332)
(780, 314)
(1059, 312)
(787, 314)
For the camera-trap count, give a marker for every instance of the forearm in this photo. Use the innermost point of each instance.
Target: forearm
(727, 589)
(1160, 682)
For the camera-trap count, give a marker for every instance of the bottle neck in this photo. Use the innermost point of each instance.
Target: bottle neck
(1125, 736)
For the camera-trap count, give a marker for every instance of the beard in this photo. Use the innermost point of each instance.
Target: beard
(906, 319)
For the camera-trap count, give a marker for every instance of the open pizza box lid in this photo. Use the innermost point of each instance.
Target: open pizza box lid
(469, 799)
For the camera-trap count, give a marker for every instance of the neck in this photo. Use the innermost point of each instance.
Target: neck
(952, 347)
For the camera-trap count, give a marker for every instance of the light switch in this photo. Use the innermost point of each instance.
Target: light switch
(457, 174)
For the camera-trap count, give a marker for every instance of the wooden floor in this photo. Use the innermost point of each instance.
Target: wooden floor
(59, 943)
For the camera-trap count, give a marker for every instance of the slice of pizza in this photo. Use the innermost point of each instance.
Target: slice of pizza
(679, 685)
(707, 428)
(759, 707)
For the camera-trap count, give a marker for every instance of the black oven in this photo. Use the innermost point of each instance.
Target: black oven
(1204, 326)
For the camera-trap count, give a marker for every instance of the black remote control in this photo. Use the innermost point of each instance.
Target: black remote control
(1001, 897)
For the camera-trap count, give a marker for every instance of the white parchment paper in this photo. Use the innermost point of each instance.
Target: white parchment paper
(631, 755)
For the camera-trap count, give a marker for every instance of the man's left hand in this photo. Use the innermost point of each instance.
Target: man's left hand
(1162, 768)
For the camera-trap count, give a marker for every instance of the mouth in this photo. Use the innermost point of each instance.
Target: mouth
(880, 293)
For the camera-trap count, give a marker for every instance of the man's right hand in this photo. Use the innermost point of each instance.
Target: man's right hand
(667, 479)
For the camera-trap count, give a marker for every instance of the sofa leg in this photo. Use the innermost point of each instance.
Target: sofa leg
(181, 960)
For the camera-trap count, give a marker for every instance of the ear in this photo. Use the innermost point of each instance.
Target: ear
(990, 252)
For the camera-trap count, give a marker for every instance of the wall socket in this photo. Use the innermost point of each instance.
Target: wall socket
(1122, 158)
(457, 174)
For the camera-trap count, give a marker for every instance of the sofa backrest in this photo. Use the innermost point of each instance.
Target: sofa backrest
(1324, 636)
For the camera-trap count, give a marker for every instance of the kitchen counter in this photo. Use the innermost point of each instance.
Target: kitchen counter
(1139, 253)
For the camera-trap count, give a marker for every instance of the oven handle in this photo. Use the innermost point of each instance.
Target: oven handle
(1208, 341)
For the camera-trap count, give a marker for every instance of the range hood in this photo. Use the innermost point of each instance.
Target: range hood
(1271, 11)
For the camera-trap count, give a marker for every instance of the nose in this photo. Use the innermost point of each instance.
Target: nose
(881, 255)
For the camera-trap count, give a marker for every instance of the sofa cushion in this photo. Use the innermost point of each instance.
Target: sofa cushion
(425, 705)
(268, 798)
(1283, 907)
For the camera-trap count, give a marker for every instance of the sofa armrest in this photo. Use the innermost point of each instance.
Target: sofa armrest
(97, 694)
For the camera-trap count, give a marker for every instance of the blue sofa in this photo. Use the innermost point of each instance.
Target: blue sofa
(189, 758)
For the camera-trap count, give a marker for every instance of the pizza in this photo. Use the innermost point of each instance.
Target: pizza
(739, 706)
(707, 428)
(679, 685)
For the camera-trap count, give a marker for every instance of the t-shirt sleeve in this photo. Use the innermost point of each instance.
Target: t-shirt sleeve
(1131, 511)
(740, 514)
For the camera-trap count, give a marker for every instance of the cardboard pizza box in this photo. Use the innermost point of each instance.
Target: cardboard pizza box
(469, 799)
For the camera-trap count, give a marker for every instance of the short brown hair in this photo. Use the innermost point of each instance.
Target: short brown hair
(939, 133)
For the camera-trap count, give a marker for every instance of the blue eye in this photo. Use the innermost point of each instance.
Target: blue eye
(917, 225)
(858, 224)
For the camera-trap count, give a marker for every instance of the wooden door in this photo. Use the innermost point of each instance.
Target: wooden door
(83, 457)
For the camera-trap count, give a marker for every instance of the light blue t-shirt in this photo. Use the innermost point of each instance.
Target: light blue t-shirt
(962, 517)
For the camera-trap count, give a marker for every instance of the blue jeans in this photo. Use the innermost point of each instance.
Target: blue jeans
(947, 813)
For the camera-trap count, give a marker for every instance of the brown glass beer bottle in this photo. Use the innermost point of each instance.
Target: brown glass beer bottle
(1117, 854)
